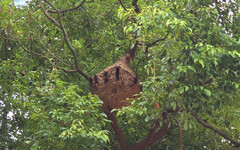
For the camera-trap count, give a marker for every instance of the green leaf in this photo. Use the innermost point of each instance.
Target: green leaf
(236, 85)
(201, 62)
(28, 142)
(174, 106)
(207, 92)
(181, 89)
(185, 126)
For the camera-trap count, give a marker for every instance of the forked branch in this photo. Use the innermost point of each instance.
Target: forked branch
(153, 136)
(74, 54)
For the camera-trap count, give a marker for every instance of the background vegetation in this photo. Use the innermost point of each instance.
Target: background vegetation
(187, 59)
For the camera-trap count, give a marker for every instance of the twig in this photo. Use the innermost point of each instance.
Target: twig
(65, 70)
(86, 46)
(37, 54)
(215, 141)
(54, 56)
(5, 43)
(109, 11)
(205, 124)
(155, 42)
(70, 9)
(122, 5)
(208, 81)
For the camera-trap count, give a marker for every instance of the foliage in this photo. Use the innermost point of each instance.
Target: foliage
(187, 59)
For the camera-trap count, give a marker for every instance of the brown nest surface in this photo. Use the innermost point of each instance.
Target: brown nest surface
(115, 84)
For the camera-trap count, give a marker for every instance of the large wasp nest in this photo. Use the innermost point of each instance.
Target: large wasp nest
(115, 84)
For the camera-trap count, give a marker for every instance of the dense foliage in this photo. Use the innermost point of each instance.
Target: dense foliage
(187, 59)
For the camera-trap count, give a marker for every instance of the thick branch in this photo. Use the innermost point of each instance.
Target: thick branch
(70, 9)
(144, 143)
(153, 130)
(161, 132)
(155, 42)
(152, 136)
(133, 50)
(118, 132)
(205, 124)
(135, 5)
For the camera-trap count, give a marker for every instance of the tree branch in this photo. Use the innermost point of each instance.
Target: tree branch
(133, 50)
(155, 42)
(53, 54)
(208, 81)
(135, 5)
(122, 5)
(60, 26)
(49, 17)
(118, 132)
(72, 50)
(152, 136)
(180, 134)
(144, 143)
(104, 15)
(161, 132)
(70, 9)
(205, 124)
(37, 54)
(65, 70)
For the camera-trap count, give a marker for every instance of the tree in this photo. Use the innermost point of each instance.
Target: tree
(185, 55)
